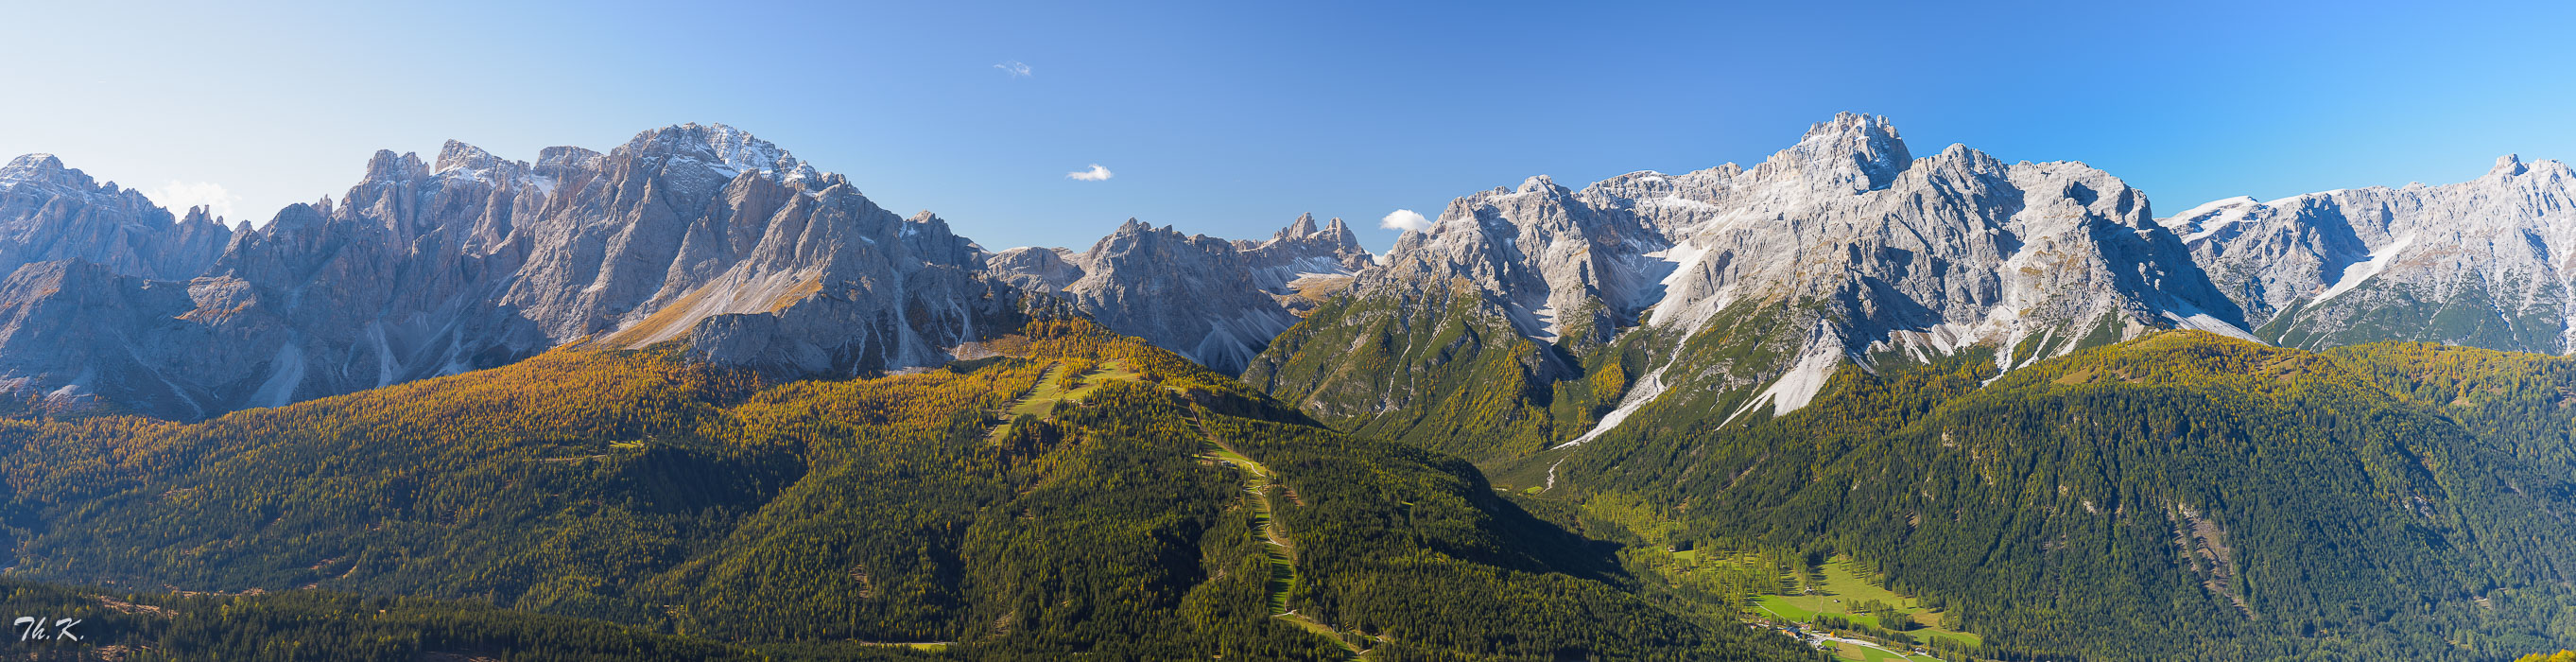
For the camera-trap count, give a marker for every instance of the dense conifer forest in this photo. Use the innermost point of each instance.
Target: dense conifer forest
(2182, 496)
(1076, 494)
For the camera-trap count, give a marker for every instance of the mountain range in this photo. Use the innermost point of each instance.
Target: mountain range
(1849, 248)
(1740, 291)
(2099, 421)
(1218, 302)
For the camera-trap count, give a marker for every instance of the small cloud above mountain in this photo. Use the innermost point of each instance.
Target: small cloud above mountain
(1404, 220)
(1096, 173)
(178, 196)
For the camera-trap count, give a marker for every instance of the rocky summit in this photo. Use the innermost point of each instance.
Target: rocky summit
(1734, 290)
(49, 212)
(1218, 302)
(1736, 293)
(699, 234)
(1738, 290)
(2484, 262)
(467, 261)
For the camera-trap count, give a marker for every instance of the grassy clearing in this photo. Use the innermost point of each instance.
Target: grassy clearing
(1851, 651)
(1052, 389)
(1357, 653)
(1769, 588)
(1774, 584)
(1775, 607)
(923, 646)
(1839, 585)
(1237, 459)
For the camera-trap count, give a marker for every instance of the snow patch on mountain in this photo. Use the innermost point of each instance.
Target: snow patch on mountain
(2356, 273)
(1645, 392)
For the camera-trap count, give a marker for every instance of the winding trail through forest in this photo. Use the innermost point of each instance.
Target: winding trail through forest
(1258, 481)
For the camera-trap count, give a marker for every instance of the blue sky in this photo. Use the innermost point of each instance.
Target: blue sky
(1232, 118)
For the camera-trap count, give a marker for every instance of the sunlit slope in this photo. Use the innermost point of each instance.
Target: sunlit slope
(2182, 495)
(630, 487)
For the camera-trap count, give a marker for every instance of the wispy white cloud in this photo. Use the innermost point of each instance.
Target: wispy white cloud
(1096, 173)
(178, 196)
(1404, 219)
(1015, 68)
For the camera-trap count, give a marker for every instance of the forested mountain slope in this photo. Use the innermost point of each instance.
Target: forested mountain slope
(1077, 492)
(2524, 403)
(316, 626)
(2181, 496)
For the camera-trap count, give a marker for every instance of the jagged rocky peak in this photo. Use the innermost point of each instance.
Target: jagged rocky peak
(927, 235)
(1939, 253)
(1218, 302)
(1304, 225)
(557, 161)
(1845, 246)
(455, 154)
(1795, 227)
(723, 148)
(1134, 235)
(2481, 262)
(700, 234)
(1130, 229)
(1311, 248)
(1036, 268)
(43, 169)
(1553, 260)
(1859, 151)
(1334, 232)
(44, 176)
(387, 166)
(457, 159)
(2507, 166)
(49, 211)
(200, 214)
